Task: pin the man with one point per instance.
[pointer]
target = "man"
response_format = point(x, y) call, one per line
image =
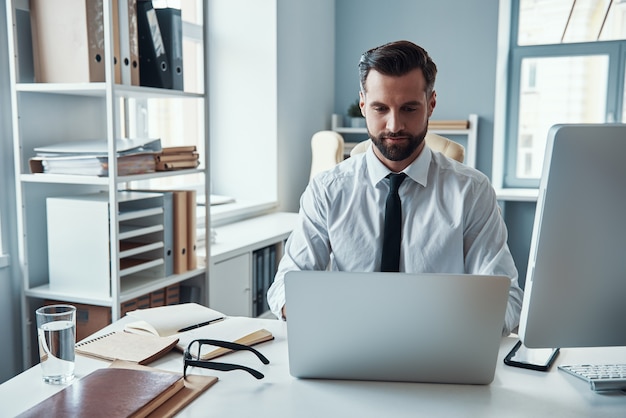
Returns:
point(451, 222)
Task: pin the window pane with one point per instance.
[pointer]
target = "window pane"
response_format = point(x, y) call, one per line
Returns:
point(544, 22)
point(556, 90)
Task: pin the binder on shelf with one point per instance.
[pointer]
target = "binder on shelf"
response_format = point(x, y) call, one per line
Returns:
point(154, 68)
point(133, 42)
point(168, 232)
point(117, 61)
point(180, 231)
point(68, 41)
point(171, 27)
point(192, 260)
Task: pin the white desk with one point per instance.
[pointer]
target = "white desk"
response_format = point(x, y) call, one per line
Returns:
point(514, 392)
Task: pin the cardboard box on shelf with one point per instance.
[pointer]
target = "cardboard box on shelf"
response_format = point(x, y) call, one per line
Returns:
point(157, 298)
point(89, 318)
point(172, 294)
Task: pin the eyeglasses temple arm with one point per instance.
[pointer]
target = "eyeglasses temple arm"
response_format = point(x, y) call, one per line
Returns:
point(236, 347)
point(223, 367)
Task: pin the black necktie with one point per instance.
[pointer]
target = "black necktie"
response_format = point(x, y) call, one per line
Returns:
point(390, 260)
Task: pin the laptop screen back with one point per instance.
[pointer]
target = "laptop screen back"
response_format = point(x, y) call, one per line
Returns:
point(395, 326)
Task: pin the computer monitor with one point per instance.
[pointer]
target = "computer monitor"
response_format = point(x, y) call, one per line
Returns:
point(575, 293)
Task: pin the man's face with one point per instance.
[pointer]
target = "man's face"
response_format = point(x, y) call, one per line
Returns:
point(397, 110)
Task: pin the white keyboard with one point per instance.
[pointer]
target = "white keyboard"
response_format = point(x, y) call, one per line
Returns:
point(600, 376)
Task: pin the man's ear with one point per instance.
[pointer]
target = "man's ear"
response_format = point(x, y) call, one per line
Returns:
point(432, 102)
point(362, 102)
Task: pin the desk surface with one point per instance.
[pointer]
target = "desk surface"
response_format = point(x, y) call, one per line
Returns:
point(514, 391)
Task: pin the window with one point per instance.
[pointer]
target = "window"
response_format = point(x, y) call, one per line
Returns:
point(566, 65)
point(175, 121)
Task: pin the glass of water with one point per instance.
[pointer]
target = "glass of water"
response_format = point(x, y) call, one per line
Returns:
point(56, 330)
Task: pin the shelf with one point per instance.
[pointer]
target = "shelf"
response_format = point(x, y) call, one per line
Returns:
point(131, 288)
point(517, 195)
point(136, 214)
point(99, 90)
point(132, 266)
point(127, 232)
point(102, 181)
point(346, 130)
point(82, 243)
point(129, 249)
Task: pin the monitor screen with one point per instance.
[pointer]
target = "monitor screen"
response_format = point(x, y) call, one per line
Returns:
point(575, 294)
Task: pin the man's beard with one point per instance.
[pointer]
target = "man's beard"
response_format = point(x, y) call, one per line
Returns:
point(398, 152)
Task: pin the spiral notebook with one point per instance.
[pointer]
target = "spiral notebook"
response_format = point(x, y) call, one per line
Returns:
point(137, 348)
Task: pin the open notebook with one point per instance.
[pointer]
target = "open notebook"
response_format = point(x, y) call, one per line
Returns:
point(190, 321)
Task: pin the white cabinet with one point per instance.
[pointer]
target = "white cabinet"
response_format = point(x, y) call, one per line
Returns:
point(233, 276)
point(470, 133)
point(230, 288)
point(49, 113)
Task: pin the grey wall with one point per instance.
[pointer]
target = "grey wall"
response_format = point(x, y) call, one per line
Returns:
point(306, 56)
point(461, 39)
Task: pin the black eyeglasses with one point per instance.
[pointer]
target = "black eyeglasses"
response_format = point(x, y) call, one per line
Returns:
point(191, 360)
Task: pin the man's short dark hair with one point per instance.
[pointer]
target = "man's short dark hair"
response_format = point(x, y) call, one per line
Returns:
point(397, 59)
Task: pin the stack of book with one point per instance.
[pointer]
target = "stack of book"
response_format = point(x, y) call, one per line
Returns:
point(91, 158)
point(177, 158)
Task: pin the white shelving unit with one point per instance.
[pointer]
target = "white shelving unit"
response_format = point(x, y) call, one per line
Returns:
point(471, 133)
point(48, 113)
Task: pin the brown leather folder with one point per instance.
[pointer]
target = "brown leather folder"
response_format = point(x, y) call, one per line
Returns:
point(195, 385)
point(111, 392)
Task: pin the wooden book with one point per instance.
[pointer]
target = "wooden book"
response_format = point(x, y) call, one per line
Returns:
point(176, 165)
point(168, 158)
point(234, 329)
point(178, 149)
point(111, 392)
point(141, 349)
point(254, 338)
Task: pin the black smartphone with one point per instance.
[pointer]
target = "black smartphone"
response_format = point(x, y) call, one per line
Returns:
point(531, 358)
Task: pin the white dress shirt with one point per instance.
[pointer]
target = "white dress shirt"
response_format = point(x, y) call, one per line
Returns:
point(451, 224)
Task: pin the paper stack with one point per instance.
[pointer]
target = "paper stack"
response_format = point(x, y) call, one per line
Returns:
point(90, 157)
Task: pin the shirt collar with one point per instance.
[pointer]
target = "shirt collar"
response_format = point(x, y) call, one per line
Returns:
point(417, 170)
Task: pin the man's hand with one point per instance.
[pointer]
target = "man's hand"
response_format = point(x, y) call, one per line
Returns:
point(284, 312)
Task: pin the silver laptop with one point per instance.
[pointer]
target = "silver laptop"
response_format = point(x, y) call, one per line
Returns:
point(438, 328)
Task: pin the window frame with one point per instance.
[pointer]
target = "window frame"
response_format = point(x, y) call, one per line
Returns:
point(510, 57)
